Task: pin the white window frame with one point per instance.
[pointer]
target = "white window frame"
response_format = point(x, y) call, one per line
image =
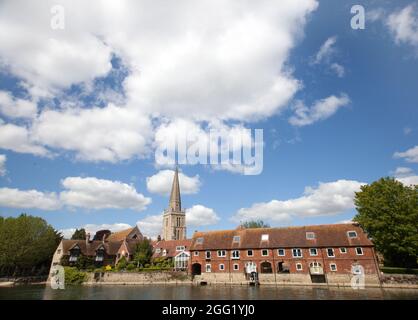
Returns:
point(252, 253)
point(221, 267)
point(361, 249)
point(264, 237)
point(208, 269)
point(341, 250)
point(158, 250)
point(310, 233)
point(222, 253)
point(301, 266)
point(164, 252)
point(196, 253)
point(233, 256)
point(262, 253)
point(235, 265)
point(208, 254)
point(236, 239)
point(316, 252)
point(333, 253)
point(180, 248)
point(348, 234)
point(297, 256)
point(281, 255)
point(331, 265)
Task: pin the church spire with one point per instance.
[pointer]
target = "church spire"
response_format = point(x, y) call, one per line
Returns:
point(175, 200)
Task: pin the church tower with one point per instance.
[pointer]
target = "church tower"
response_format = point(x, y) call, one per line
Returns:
point(174, 219)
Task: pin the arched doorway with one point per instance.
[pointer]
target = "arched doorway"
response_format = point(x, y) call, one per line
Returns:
point(265, 267)
point(196, 269)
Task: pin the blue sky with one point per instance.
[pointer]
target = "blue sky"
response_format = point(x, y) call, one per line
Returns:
point(79, 115)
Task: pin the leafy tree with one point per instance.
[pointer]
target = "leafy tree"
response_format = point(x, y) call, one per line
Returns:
point(143, 252)
point(388, 211)
point(27, 244)
point(253, 224)
point(79, 234)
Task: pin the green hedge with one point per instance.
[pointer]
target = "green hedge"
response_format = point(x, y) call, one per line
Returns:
point(393, 270)
point(74, 276)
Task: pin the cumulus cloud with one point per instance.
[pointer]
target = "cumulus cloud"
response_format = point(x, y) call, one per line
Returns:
point(331, 198)
point(320, 110)
point(16, 108)
point(108, 134)
point(406, 176)
point(410, 155)
point(3, 159)
point(18, 139)
point(223, 62)
point(15, 198)
point(151, 226)
point(161, 183)
point(199, 215)
point(338, 69)
point(403, 25)
point(94, 193)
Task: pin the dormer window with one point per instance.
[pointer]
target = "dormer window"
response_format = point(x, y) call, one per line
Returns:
point(100, 255)
point(199, 240)
point(264, 237)
point(236, 239)
point(158, 250)
point(310, 235)
point(74, 254)
point(180, 248)
point(352, 234)
point(164, 252)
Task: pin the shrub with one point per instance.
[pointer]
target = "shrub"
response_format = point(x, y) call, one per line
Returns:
point(122, 263)
point(74, 276)
point(108, 268)
point(130, 267)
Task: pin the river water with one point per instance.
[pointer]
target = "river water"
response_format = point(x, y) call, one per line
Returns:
point(187, 292)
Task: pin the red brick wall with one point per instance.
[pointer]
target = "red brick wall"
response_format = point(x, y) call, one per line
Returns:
point(343, 261)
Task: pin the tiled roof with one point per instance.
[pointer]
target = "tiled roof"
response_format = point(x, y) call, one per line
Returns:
point(120, 235)
point(90, 248)
point(331, 235)
point(170, 247)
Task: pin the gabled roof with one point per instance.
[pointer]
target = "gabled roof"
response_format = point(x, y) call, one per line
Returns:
point(90, 248)
point(331, 235)
point(124, 234)
point(170, 247)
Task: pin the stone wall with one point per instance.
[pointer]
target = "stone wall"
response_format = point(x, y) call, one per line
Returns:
point(161, 277)
point(399, 280)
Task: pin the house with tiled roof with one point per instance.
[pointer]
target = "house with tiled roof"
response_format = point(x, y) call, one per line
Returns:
point(175, 250)
point(332, 253)
point(107, 251)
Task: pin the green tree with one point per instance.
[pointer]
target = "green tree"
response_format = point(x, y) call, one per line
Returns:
point(143, 252)
point(388, 212)
point(27, 243)
point(79, 234)
point(253, 224)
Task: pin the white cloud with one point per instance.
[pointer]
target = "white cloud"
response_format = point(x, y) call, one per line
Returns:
point(326, 50)
point(224, 61)
point(410, 155)
point(320, 110)
point(406, 176)
point(199, 215)
point(329, 198)
point(3, 159)
point(403, 25)
point(93, 228)
point(18, 139)
point(16, 108)
point(93, 193)
point(98, 134)
point(15, 198)
point(161, 183)
point(151, 226)
point(338, 69)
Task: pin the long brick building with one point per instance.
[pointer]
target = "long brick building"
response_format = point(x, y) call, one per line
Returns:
point(308, 254)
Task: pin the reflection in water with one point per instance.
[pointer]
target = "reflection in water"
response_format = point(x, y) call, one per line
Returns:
point(146, 292)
